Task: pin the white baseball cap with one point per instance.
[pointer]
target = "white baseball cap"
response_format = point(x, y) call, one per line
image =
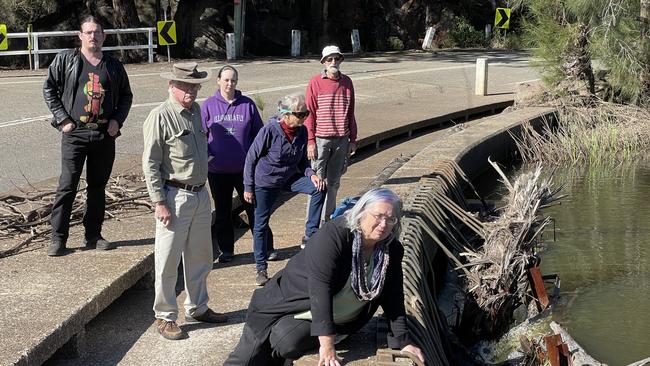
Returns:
point(330, 50)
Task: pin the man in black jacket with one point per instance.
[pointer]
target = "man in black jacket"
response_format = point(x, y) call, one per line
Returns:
point(88, 93)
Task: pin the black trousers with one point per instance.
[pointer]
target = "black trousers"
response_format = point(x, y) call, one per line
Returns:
point(288, 340)
point(97, 150)
point(221, 187)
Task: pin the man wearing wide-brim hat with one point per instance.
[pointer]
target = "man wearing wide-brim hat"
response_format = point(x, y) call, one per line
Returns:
point(175, 166)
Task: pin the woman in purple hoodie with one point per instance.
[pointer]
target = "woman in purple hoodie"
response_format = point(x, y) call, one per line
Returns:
point(232, 122)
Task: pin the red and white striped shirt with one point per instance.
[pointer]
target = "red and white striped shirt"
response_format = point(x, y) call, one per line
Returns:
point(331, 103)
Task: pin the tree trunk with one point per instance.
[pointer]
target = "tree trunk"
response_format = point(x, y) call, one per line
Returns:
point(102, 10)
point(578, 60)
point(645, 47)
point(125, 15)
point(324, 36)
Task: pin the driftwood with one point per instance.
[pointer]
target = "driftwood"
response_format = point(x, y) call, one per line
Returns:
point(497, 278)
point(26, 216)
point(645, 361)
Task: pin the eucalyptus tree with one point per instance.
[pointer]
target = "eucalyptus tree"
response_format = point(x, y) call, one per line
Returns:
point(575, 36)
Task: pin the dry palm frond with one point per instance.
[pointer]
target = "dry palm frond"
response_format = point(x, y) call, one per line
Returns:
point(500, 266)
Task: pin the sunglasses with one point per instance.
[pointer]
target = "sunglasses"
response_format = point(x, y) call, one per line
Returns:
point(301, 115)
point(335, 59)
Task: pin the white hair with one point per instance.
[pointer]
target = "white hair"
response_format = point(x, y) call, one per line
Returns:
point(354, 215)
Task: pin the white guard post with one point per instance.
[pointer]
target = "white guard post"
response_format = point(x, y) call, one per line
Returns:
point(428, 38)
point(356, 42)
point(481, 76)
point(231, 51)
point(295, 43)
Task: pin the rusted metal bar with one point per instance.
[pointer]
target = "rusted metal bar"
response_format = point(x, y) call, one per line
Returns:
point(557, 351)
point(537, 285)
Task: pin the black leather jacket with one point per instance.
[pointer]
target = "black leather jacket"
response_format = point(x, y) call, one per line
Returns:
point(60, 87)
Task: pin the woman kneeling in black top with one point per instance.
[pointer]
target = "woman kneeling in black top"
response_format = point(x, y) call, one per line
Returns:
point(351, 266)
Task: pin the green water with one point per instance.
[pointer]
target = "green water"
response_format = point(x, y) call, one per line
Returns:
point(602, 254)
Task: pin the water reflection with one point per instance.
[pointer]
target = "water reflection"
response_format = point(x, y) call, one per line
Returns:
point(601, 255)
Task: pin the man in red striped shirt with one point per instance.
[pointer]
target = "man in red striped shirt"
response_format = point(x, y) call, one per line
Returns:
point(331, 126)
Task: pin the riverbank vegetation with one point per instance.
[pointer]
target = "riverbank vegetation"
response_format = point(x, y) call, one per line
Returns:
point(600, 48)
point(594, 133)
point(594, 57)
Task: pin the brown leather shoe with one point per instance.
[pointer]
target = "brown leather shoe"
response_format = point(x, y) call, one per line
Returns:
point(169, 330)
point(208, 316)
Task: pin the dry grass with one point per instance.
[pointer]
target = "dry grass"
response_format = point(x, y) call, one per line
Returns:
point(588, 132)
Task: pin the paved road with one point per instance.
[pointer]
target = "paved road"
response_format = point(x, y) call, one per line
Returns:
point(31, 148)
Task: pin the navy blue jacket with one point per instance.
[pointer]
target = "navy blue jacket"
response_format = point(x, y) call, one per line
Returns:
point(272, 160)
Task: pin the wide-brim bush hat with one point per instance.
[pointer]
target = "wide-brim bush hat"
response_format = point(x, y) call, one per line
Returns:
point(329, 51)
point(187, 72)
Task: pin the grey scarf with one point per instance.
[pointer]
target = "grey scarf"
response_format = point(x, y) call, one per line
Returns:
point(380, 257)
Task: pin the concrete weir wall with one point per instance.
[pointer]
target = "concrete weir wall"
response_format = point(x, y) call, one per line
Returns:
point(437, 176)
point(32, 335)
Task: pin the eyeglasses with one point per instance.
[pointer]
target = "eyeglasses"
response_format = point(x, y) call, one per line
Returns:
point(301, 115)
point(333, 59)
point(388, 220)
point(90, 33)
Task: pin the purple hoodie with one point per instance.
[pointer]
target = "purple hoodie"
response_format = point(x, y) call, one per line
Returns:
point(231, 131)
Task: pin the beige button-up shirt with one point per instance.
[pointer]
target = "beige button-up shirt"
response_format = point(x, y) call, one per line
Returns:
point(175, 147)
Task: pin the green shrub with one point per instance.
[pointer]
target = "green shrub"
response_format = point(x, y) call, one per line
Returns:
point(395, 44)
point(509, 41)
point(463, 34)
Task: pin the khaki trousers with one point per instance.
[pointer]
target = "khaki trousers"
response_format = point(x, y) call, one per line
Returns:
point(187, 237)
point(330, 164)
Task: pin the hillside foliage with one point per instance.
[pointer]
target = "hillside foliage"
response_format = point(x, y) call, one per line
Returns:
point(595, 44)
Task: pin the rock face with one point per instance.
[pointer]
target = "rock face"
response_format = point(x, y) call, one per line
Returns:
point(201, 25)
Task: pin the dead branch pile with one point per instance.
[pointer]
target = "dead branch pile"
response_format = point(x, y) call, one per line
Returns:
point(26, 216)
point(497, 277)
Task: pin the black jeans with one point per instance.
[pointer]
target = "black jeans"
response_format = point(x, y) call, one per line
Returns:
point(288, 339)
point(221, 187)
point(97, 149)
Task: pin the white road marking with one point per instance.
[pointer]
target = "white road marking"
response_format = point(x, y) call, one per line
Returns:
point(523, 82)
point(41, 79)
point(370, 76)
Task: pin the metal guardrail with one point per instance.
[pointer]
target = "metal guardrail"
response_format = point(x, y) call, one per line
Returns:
point(36, 51)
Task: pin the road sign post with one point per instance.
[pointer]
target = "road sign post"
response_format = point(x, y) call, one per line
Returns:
point(30, 29)
point(239, 29)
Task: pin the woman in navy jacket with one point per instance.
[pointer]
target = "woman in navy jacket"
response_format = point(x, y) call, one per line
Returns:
point(351, 266)
point(277, 161)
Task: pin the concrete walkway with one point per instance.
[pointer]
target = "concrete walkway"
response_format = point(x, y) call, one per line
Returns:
point(45, 301)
